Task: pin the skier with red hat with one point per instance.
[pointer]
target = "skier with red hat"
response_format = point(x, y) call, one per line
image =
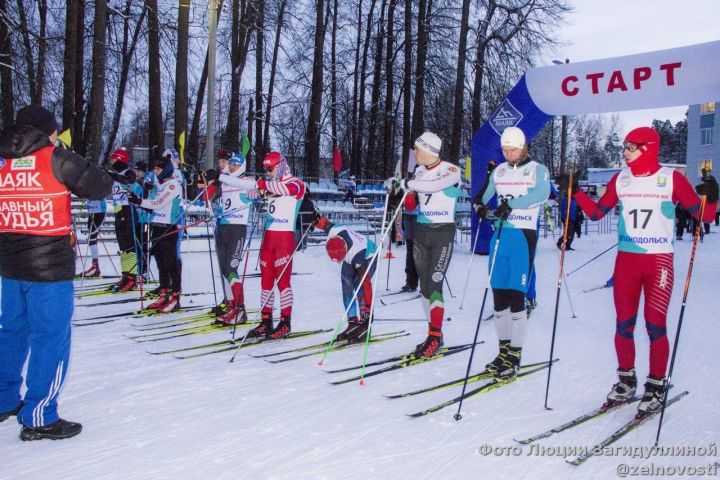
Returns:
point(284, 193)
point(355, 252)
point(124, 220)
point(647, 194)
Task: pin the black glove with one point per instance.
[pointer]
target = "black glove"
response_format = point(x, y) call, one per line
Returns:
point(212, 174)
point(481, 210)
point(503, 210)
point(147, 188)
point(127, 178)
point(491, 166)
point(564, 179)
point(134, 199)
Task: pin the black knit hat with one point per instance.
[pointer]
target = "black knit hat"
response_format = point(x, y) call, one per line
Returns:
point(39, 117)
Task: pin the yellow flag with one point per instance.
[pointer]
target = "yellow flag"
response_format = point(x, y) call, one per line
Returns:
point(181, 141)
point(468, 163)
point(66, 138)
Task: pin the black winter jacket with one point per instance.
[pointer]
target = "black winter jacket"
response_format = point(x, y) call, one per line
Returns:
point(38, 258)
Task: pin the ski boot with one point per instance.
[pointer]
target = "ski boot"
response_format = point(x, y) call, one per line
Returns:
point(498, 361)
point(356, 330)
point(235, 315)
point(624, 390)
point(11, 413)
point(511, 363)
point(283, 328)
point(93, 271)
point(126, 283)
point(172, 303)
point(264, 329)
point(652, 399)
point(55, 431)
point(163, 295)
point(408, 288)
point(219, 309)
point(432, 344)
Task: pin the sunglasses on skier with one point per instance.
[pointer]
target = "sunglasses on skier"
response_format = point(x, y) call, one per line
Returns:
point(632, 147)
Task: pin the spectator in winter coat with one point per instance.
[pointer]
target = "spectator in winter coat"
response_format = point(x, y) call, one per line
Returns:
point(37, 266)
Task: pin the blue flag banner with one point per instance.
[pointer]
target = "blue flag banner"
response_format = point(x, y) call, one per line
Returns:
point(517, 110)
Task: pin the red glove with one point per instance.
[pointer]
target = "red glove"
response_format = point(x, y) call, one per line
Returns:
point(262, 184)
point(411, 202)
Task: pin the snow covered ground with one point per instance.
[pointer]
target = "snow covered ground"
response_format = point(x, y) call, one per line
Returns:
point(157, 417)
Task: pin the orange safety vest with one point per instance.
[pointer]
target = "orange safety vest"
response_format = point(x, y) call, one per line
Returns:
point(32, 200)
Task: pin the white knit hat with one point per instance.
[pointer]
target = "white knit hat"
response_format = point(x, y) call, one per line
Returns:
point(512, 137)
point(429, 142)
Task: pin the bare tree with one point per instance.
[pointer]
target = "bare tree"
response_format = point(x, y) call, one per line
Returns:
point(407, 85)
point(259, 65)
point(459, 104)
point(312, 138)
point(127, 52)
point(388, 117)
point(69, 63)
point(155, 126)
point(181, 70)
point(96, 104)
point(6, 68)
point(273, 71)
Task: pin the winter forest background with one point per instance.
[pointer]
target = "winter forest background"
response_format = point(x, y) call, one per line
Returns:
point(304, 77)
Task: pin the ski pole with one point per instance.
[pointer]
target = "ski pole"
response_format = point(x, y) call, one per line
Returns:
point(559, 286)
point(138, 258)
point(447, 283)
point(212, 269)
point(245, 253)
point(592, 259)
point(384, 230)
point(282, 272)
point(567, 291)
point(389, 257)
point(457, 415)
point(472, 259)
point(696, 236)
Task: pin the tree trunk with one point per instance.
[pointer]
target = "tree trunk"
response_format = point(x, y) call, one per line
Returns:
point(69, 63)
point(79, 117)
point(419, 110)
point(458, 108)
point(375, 95)
point(388, 117)
point(273, 70)
point(29, 61)
point(354, 127)
point(155, 117)
point(42, 52)
point(128, 52)
point(181, 71)
point(357, 144)
point(480, 65)
point(407, 87)
point(6, 88)
point(312, 139)
point(259, 63)
point(242, 29)
point(96, 104)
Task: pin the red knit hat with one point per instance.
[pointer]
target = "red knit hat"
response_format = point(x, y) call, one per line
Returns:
point(121, 155)
point(223, 155)
point(336, 248)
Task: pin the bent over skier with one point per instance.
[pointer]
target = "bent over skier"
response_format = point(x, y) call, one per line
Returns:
point(355, 252)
